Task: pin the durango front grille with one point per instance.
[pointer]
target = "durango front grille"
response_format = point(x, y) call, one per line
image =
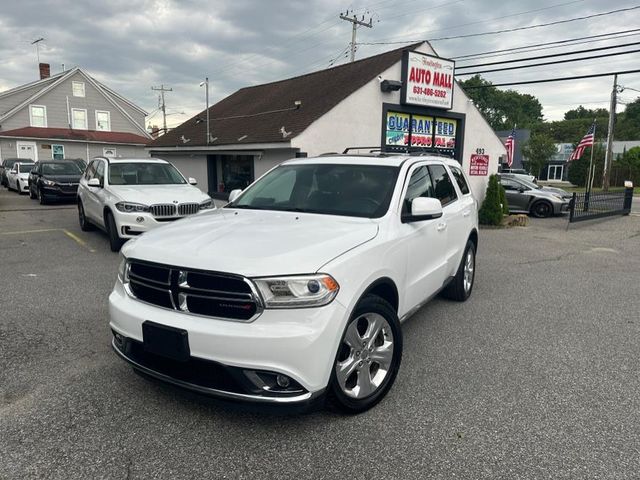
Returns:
point(209, 294)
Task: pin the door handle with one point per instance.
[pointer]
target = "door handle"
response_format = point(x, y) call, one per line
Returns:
point(466, 213)
point(441, 226)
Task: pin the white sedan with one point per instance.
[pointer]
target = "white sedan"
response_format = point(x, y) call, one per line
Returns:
point(18, 177)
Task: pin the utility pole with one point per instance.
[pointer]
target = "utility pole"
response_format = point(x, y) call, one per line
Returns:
point(608, 157)
point(162, 89)
point(206, 93)
point(355, 22)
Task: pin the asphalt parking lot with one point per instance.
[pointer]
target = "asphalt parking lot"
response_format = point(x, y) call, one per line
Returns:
point(536, 376)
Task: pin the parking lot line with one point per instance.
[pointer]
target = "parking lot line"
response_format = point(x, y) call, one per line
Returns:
point(78, 240)
point(69, 234)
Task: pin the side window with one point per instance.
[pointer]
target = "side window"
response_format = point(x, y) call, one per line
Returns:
point(100, 171)
point(91, 170)
point(509, 184)
point(442, 185)
point(461, 181)
point(420, 185)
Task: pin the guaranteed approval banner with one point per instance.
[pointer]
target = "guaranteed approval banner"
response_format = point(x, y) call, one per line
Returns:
point(427, 81)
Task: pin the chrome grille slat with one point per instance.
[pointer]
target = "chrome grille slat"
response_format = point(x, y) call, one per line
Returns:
point(236, 300)
point(163, 210)
point(188, 208)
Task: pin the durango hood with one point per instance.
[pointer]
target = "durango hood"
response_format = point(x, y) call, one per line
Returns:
point(154, 194)
point(252, 243)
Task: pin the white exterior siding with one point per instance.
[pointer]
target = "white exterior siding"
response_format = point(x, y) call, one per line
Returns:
point(357, 121)
point(84, 150)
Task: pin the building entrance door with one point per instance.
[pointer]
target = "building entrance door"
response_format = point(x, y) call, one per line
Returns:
point(555, 173)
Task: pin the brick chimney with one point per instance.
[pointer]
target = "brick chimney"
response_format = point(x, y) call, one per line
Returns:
point(45, 70)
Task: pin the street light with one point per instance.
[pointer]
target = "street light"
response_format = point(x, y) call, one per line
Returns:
point(206, 90)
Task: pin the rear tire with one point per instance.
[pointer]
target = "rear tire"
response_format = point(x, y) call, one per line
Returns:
point(115, 242)
point(85, 226)
point(368, 357)
point(461, 286)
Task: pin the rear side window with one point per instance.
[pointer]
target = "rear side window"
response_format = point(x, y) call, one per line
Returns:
point(442, 185)
point(462, 182)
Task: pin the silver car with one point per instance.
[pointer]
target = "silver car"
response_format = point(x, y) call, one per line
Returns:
point(527, 197)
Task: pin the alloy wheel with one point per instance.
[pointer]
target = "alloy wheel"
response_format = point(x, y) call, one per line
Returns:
point(365, 357)
point(469, 270)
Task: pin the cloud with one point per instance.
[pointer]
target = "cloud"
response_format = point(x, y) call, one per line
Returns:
point(132, 45)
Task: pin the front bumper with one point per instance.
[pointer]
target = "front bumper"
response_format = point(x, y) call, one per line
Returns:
point(69, 193)
point(298, 343)
point(560, 207)
point(130, 225)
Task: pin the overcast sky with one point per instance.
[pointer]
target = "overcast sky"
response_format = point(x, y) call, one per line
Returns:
point(131, 45)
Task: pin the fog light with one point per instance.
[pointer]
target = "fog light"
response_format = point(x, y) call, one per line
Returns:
point(119, 339)
point(282, 381)
point(139, 219)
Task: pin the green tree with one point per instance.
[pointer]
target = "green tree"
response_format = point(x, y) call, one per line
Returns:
point(588, 113)
point(491, 211)
point(503, 108)
point(628, 122)
point(537, 151)
point(629, 165)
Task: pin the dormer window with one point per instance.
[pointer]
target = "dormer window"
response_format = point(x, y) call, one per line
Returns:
point(38, 115)
point(78, 89)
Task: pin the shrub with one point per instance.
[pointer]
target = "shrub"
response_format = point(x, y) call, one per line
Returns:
point(491, 211)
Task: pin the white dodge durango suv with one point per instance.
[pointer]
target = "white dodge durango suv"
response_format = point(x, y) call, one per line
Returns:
point(126, 197)
point(295, 290)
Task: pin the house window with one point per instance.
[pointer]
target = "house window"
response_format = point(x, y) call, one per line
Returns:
point(103, 121)
point(57, 152)
point(79, 118)
point(78, 89)
point(38, 115)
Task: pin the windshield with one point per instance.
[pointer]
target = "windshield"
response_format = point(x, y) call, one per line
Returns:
point(330, 189)
point(144, 174)
point(60, 168)
point(25, 167)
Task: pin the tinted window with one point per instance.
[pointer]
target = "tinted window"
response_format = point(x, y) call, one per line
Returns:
point(100, 171)
point(144, 173)
point(508, 184)
point(330, 189)
point(91, 170)
point(462, 182)
point(442, 185)
point(420, 185)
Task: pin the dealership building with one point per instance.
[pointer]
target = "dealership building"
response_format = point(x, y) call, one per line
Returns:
point(402, 100)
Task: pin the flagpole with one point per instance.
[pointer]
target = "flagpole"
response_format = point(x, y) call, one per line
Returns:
point(591, 175)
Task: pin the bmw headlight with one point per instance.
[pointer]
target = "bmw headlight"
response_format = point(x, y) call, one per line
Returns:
point(129, 207)
point(123, 271)
point(207, 205)
point(297, 291)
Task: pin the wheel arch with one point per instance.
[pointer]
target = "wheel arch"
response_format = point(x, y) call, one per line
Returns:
point(384, 288)
point(473, 237)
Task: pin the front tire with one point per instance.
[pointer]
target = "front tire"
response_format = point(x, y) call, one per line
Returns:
point(541, 209)
point(32, 195)
point(368, 357)
point(462, 284)
point(115, 242)
point(41, 197)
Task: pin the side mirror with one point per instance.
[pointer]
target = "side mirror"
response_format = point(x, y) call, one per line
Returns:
point(423, 208)
point(522, 189)
point(94, 182)
point(192, 181)
point(13, 170)
point(234, 194)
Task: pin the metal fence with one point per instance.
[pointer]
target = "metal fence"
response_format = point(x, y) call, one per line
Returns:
point(589, 205)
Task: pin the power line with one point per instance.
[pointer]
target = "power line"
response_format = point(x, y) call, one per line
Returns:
point(545, 44)
point(548, 80)
point(540, 57)
point(555, 62)
point(508, 30)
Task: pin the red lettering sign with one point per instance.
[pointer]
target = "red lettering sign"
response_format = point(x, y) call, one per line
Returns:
point(479, 165)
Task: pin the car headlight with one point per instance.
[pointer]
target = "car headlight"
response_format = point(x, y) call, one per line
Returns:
point(49, 183)
point(297, 291)
point(558, 196)
point(123, 270)
point(130, 207)
point(207, 205)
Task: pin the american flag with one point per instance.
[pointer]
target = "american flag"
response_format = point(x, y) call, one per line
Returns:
point(510, 144)
point(587, 141)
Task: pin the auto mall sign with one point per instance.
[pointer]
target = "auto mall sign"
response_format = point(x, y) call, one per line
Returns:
point(427, 81)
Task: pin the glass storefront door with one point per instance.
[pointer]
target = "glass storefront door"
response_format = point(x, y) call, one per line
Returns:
point(555, 173)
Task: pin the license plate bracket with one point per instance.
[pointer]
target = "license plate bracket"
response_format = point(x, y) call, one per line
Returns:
point(168, 342)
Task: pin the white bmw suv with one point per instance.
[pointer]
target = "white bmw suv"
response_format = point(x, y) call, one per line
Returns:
point(296, 289)
point(126, 197)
